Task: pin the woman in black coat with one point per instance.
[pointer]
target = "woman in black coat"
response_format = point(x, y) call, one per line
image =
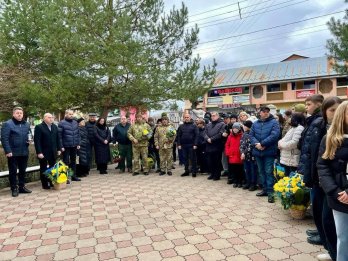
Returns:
point(102, 150)
point(333, 175)
point(82, 168)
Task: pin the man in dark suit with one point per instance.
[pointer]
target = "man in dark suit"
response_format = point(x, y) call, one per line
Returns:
point(47, 146)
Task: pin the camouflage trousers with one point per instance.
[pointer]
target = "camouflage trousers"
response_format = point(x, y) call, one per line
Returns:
point(166, 159)
point(137, 152)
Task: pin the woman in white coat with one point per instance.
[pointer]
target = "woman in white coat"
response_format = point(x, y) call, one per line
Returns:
point(289, 153)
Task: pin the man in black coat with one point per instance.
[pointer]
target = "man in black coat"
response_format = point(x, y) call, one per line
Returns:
point(15, 139)
point(69, 136)
point(187, 142)
point(47, 146)
point(90, 126)
point(214, 145)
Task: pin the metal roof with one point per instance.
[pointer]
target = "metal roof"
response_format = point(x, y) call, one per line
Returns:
point(276, 72)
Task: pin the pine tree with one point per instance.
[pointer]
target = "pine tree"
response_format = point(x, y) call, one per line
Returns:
point(338, 47)
point(101, 54)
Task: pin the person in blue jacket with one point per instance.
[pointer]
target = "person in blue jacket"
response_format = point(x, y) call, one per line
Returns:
point(264, 137)
point(15, 139)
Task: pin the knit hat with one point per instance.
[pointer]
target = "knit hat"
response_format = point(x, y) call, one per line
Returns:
point(237, 125)
point(233, 116)
point(164, 114)
point(300, 108)
point(80, 119)
point(248, 124)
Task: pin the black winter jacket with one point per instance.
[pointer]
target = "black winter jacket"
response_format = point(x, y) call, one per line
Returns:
point(69, 133)
point(188, 134)
point(84, 151)
point(246, 147)
point(214, 132)
point(90, 126)
point(333, 175)
point(119, 134)
point(14, 137)
point(309, 145)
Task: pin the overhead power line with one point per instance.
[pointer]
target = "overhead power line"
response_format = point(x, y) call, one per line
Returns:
point(267, 37)
point(235, 10)
point(207, 24)
point(211, 10)
point(271, 28)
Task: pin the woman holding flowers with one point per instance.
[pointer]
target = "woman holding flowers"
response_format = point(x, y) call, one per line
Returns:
point(332, 168)
point(102, 150)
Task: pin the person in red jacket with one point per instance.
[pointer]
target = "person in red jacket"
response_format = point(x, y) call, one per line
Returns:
point(235, 164)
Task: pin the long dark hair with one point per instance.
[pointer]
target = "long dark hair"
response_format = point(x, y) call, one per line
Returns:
point(99, 125)
point(327, 103)
point(297, 118)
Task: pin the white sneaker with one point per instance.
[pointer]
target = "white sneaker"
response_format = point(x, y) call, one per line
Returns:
point(324, 257)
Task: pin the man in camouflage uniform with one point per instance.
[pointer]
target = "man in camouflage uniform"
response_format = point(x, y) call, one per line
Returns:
point(164, 139)
point(139, 134)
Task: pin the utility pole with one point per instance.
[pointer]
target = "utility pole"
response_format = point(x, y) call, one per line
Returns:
point(240, 11)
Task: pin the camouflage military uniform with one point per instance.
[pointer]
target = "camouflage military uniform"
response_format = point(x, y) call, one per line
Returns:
point(165, 144)
point(136, 132)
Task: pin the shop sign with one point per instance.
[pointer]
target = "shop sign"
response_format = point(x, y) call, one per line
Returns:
point(304, 94)
point(241, 98)
point(231, 90)
point(227, 106)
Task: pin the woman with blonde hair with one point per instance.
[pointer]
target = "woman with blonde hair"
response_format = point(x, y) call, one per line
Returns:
point(332, 168)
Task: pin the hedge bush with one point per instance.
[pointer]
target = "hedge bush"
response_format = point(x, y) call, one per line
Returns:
point(32, 161)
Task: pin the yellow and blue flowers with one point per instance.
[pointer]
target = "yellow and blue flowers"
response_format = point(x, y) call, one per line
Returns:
point(292, 192)
point(59, 173)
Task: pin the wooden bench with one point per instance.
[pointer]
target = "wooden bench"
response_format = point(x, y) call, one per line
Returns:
point(28, 170)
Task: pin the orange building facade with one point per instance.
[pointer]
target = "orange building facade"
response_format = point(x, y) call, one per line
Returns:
point(282, 84)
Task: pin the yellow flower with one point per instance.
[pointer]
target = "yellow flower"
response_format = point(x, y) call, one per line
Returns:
point(145, 132)
point(54, 171)
point(62, 178)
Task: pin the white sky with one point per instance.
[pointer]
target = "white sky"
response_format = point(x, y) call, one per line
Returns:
point(306, 38)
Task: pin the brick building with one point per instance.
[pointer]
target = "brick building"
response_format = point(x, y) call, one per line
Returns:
point(281, 84)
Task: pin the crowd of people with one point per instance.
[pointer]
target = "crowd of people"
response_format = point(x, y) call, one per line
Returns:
point(310, 139)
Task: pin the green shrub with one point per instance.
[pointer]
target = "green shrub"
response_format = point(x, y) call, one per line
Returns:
point(32, 161)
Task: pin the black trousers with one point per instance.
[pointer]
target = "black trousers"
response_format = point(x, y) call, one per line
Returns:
point(14, 163)
point(189, 156)
point(201, 160)
point(214, 163)
point(102, 167)
point(69, 158)
point(236, 173)
point(45, 182)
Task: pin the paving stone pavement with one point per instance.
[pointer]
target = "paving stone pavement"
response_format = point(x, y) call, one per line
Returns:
point(121, 217)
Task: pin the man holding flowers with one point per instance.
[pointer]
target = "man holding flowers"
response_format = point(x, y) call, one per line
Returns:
point(139, 134)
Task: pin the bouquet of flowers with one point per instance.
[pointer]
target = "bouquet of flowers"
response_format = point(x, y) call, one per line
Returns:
point(147, 133)
point(278, 171)
point(59, 173)
point(292, 192)
point(115, 154)
point(171, 132)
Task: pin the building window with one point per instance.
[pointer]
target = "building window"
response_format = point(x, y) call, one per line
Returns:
point(214, 100)
point(257, 92)
point(309, 85)
point(325, 86)
point(342, 81)
point(277, 87)
point(273, 87)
